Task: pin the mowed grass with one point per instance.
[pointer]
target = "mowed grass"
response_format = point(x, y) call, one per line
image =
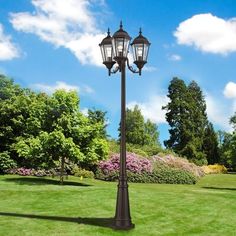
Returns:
point(38, 206)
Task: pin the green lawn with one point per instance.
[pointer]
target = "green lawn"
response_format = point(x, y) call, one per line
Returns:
point(37, 206)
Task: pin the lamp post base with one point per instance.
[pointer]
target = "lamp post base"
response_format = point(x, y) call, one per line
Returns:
point(123, 224)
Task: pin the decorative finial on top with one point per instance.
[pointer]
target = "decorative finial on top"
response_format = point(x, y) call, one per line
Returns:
point(140, 31)
point(121, 25)
point(108, 32)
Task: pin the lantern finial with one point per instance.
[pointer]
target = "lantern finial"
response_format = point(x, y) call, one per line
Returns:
point(121, 25)
point(140, 31)
point(108, 32)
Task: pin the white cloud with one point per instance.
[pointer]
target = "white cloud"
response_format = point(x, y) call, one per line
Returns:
point(52, 88)
point(152, 109)
point(175, 57)
point(149, 68)
point(65, 23)
point(218, 112)
point(208, 33)
point(8, 50)
point(88, 89)
point(84, 111)
point(230, 90)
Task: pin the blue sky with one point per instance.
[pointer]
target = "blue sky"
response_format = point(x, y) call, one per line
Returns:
point(51, 44)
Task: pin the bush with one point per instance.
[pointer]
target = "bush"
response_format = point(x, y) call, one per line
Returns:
point(24, 171)
point(29, 172)
point(162, 175)
point(134, 163)
point(141, 170)
point(179, 163)
point(6, 162)
point(79, 172)
point(214, 169)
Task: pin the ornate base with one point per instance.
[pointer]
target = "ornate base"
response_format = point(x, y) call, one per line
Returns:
point(123, 225)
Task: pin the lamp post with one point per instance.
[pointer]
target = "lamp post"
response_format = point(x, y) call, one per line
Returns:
point(115, 50)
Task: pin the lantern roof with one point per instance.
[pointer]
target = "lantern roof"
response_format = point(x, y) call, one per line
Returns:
point(106, 40)
point(140, 39)
point(121, 33)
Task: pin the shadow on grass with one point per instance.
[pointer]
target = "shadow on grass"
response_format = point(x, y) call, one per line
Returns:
point(218, 188)
point(101, 222)
point(43, 181)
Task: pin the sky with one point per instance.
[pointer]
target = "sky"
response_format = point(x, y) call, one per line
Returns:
point(53, 44)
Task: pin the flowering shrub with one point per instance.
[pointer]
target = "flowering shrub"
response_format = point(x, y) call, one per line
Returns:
point(134, 164)
point(214, 169)
point(29, 172)
point(142, 170)
point(21, 171)
point(179, 163)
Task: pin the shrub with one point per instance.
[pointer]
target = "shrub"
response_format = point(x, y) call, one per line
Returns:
point(214, 169)
point(162, 175)
point(134, 163)
point(6, 162)
point(24, 171)
point(179, 163)
point(29, 172)
point(141, 170)
point(79, 172)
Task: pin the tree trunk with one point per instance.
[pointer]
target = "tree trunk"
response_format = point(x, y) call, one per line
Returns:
point(62, 170)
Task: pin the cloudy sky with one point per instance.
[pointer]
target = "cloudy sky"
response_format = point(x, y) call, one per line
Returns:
point(53, 44)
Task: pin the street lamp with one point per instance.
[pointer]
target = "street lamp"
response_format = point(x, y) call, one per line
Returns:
point(114, 50)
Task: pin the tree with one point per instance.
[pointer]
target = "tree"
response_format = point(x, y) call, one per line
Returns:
point(186, 115)
point(39, 131)
point(228, 146)
point(211, 145)
point(97, 116)
point(139, 132)
point(177, 111)
point(151, 135)
point(134, 126)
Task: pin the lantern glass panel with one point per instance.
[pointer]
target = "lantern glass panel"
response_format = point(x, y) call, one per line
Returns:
point(108, 52)
point(120, 47)
point(138, 51)
point(102, 52)
point(145, 51)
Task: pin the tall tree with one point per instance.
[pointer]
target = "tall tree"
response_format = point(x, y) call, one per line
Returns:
point(98, 116)
point(186, 115)
point(151, 134)
point(177, 111)
point(139, 132)
point(211, 145)
point(228, 147)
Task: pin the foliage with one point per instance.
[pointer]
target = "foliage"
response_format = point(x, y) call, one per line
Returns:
point(21, 171)
point(178, 163)
point(214, 169)
point(98, 117)
point(79, 172)
point(162, 174)
point(142, 170)
point(139, 132)
point(228, 151)
point(186, 115)
point(6, 162)
point(41, 131)
point(134, 164)
point(227, 146)
point(210, 145)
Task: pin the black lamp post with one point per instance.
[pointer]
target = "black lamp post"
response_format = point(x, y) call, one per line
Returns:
point(114, 50)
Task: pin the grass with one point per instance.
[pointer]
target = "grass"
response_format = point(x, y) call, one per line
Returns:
point(38, 206)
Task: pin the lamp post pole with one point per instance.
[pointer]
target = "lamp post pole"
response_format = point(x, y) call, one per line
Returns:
point(115, 50)
point(122, 216)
